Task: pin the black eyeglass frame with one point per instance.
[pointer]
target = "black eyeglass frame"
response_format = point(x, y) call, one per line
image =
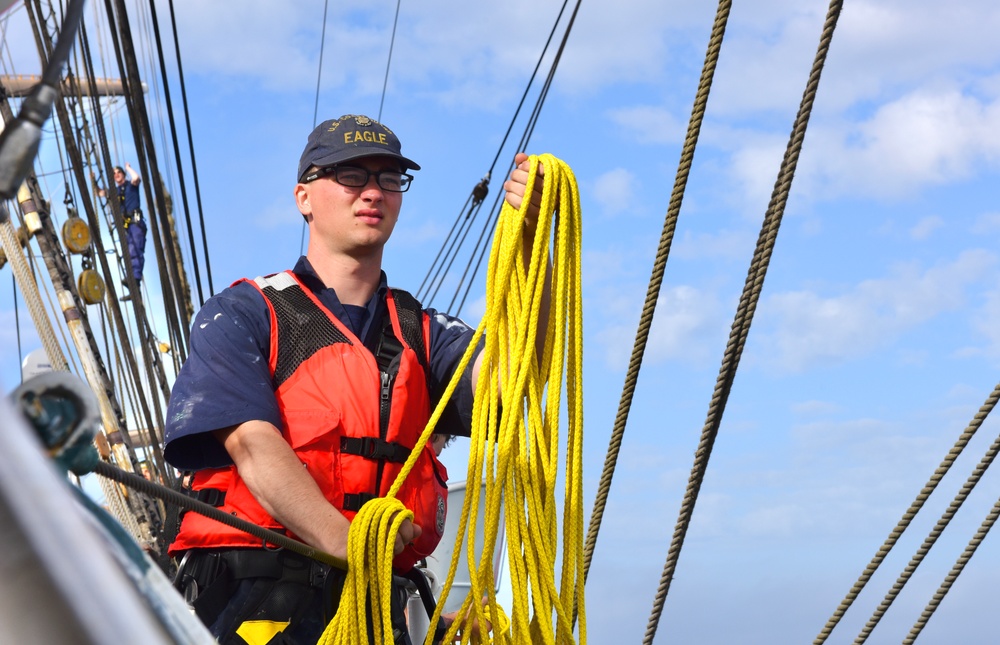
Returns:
point(405, 178)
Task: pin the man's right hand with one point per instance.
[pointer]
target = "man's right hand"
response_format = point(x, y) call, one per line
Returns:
point(408, 532)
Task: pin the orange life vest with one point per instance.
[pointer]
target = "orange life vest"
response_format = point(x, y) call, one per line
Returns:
point(351, 423)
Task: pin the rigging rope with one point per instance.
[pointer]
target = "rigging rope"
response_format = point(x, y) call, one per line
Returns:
point(918, 503)
point(516, 455)
point(17, 321)
point(177, 157)
point(529, 130)
point(388, 62)
point(194, 165)
point(319, 77)
point(32, 298)
point(656, 279)
point(956, 570)
point(481, 189)
point(744, 315)
point(929, 541)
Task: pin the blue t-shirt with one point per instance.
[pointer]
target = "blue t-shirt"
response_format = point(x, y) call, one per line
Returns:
point(128, 197)
point(226, 379)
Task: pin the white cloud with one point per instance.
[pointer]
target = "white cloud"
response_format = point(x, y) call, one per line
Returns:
point(685, 327)
point(615, 191)
point(987, 224)
point(924, 138)
point(649, 124)
point(799, 329)
point(724, 245)
point(815, 408)
point(987, 322)
point(923, 229)
point(280, 213)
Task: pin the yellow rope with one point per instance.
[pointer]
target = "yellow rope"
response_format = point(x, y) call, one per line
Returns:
point(516, 454)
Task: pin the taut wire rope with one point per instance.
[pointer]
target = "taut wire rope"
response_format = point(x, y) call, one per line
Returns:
point(656, 279)
point(388, 62)
point(744, 315)
point(956, 570)
point(481, 189)
point(516, 456)
point(525, 138)
point(929, 541)
point(194, 164)
point(17, 322)
point(911, 512)
point(319, 78)
point(177, 153)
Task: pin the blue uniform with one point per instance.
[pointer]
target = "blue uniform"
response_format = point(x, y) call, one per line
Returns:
point(135, 226)
point(226, 379)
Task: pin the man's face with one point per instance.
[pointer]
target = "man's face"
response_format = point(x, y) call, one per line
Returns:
point(119, 176)
point(347, 219)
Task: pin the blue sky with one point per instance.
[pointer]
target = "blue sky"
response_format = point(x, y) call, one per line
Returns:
point(875, 340)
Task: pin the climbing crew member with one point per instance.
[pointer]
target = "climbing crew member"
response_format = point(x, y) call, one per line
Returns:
point(135, 226)
point(306, 390)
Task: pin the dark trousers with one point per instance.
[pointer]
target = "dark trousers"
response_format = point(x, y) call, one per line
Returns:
point(291, 604)
point(136, 234)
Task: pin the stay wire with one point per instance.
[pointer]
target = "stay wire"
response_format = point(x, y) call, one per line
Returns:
point(17, 323)
point(121, 327)
point(525, 138)
point(388, 63)
point(452, 254)
point(744, 314)
point(482, 186)
point(319, 71)
point(177, 150)
point(918, 503)
point(956, 570)
point(194, 164)
point(420, 290)
point(177, 319)
point(656, 278)
point(932, 536)
point(319, 78)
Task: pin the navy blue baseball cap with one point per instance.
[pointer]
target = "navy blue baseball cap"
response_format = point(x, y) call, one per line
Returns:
point(350, 137)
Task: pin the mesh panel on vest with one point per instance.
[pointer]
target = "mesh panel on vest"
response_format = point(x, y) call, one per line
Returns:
point(411, 320)
point(303, 329)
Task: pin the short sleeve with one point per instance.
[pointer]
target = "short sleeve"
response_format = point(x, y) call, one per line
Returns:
point(450, 336)
point(226, 379)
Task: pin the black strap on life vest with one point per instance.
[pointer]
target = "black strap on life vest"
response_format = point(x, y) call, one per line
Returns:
point(388, 350)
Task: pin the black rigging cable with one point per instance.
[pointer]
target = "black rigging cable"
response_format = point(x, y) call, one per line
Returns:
point(388, 63)
point(19, 140)
point(319, 77)
point(523, 145)
point(451, 247)
point(319, 72)
point(17, 323)
point(194, 165)
point(177, 149)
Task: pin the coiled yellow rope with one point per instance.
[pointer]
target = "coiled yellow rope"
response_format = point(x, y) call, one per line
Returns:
point(516, 454)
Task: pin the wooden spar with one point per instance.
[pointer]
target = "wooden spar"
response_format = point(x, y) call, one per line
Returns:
point(20, 85)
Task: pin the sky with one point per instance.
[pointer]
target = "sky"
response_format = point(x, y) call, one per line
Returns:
point(875, 341)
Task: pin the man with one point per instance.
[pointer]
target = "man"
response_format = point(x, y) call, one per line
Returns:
point(127, 189)
point(305, 391)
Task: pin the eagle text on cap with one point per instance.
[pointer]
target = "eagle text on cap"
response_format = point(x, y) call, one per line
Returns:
point(365, 135)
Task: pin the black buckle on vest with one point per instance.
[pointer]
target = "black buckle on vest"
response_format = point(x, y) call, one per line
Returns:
point(354, 501)
point(375, 448)
point(211, 496)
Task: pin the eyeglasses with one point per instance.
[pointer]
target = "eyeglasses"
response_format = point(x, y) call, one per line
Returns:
point(392, 181)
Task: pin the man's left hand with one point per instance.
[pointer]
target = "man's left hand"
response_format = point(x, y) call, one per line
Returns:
point(517, 186)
